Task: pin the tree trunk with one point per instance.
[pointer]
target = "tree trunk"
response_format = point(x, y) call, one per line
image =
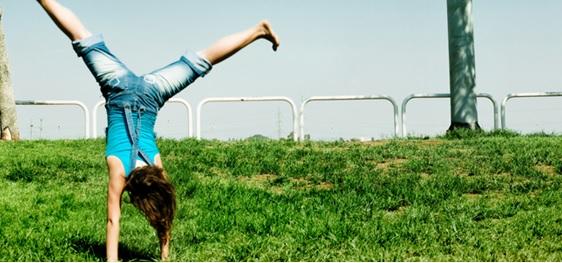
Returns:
point(462, 70)
point(8, 128)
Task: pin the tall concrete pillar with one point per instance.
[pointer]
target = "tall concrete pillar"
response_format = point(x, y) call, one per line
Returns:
point(462, 71)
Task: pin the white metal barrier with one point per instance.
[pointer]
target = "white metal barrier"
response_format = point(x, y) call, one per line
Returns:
point(525, 95)
point(249, 99)
point(172, 100)
point(345, 98)
point(298, 130)
point(95, 118)
point(444, 95)
point(59, 103)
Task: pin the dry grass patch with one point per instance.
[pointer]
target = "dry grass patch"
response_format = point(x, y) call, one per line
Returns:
point(376, 143)
point(429, 143)
point(396, 212)
point(472, 196)
point(261, 180)
point(214, 171)
point(462, 150)
point(267, 182)
point(392, 163)
point(305, 184)
point(425, 176)
point(546, 169)
point(493, 197)
point(325, 186)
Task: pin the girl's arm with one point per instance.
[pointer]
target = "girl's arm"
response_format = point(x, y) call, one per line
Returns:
point(164, 244)
point(114, 194)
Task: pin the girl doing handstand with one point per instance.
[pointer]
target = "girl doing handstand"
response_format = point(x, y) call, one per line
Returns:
point(132, 104)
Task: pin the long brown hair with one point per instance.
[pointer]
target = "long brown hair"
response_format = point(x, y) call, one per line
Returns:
point(152, 193)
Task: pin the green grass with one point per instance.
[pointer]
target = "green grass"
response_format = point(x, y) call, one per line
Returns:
point(460, 197)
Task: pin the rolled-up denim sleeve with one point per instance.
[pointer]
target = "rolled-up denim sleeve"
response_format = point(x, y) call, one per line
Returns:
point(199, 64)
point(175, 77)
point(104, 66)
point(83, 46)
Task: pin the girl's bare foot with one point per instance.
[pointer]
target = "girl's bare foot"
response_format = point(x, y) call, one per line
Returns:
point(267, 33)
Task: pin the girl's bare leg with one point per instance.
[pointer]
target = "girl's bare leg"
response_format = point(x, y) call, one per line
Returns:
point(65, 19)
point(229, 45)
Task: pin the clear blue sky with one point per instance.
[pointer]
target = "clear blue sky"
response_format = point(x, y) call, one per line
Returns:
point(359, 47)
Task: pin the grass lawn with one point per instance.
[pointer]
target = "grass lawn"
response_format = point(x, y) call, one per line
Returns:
point(483, 197)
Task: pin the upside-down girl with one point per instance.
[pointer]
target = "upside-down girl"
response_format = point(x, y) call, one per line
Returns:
point(132, 104)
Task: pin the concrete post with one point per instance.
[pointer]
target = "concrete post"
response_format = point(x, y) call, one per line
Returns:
point(462, 71)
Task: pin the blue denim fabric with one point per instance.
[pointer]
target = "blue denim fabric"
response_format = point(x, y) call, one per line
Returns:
point(133, 102)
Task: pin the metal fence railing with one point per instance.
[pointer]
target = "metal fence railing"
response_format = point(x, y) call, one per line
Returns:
point(249, 99)
point(350, 98)
point(400, 127)
point(443, 95)
point(524, 95)
point(62, 103)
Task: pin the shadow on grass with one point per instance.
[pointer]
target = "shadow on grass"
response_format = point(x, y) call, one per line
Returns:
point(98, 250)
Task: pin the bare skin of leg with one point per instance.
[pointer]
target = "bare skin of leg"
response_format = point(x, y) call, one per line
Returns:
point(229, 45)
point(65, 19)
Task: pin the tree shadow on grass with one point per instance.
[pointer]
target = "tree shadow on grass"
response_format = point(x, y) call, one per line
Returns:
point(98, 250)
